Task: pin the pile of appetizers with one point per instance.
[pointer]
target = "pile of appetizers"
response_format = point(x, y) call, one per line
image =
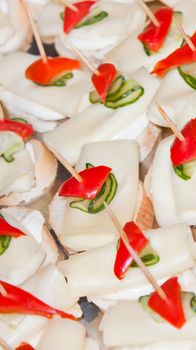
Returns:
point(112, 266)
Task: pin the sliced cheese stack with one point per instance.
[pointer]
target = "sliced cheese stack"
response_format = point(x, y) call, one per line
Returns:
point(173, 198)
point(28, 175)
point(15, 32)
point(130, 54)
point(96, 277)
point(127, 324)
point(99, 123)
point(83, 230)
point(49, 285)
point(26, 254)
point(42, 106)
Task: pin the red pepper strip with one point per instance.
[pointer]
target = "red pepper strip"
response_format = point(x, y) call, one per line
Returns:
point(123, 258)
point(72, 18)
point(24, 346)
point(103, 81)
point(152, 36)
point(93, 180)
point(24, 130)
point(8, 230)
point(185, 151)
point(170, 309)
point(18, 301)
point(46, 73)
point(183, 55)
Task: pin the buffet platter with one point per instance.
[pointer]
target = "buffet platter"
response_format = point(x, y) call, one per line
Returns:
point(97, 175)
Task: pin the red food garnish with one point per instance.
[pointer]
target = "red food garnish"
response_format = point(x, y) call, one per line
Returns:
point(24, 130)
point(123, 258)
point(183, 55)
point(72, 18)
point(93, 180)
point(24, 346)
point(8, 230)
point(18, 301)
point(170, 309)
point(154, 36)
point(103, 81)
point(185, 151)
point(46, 73)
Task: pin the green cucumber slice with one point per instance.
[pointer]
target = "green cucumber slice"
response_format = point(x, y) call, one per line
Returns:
point(9, 154)
point(148, 256)
point(115, 88)
point(127, 88)
point(95, 16)
point(173, 34)
point(92, 19)
point(61, 80)
point(188, 73)
point(20, 120)
point(94, 97)
point(106, 194)
point(4, 243)
point(188, 301)
point(130, 97)
point(186, 170)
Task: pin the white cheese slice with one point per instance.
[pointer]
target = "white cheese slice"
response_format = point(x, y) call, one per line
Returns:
point(173, 101)
point(9, 172)
point(96, 277)
point(98, 123)
point(161, 185)
point(49, 22)
point(83, 230)
point(173, 198)
point(49, 285)
point(91, 344)
point(20, 260)
point(124, 323)
point(63, 334)
point(102, 36)
point(12, 77)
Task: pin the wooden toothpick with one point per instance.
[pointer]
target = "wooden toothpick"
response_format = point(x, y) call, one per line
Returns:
point(35, 33)
point(2, 116)
point(184, 35)
point(66, 164)
point(71, 6)
point(135, 256)
point(149, 13)
point(170, 123)
point(2, 290)
point(82, 56)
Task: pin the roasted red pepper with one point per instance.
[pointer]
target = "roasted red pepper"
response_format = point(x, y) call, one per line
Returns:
point(183, 55)
point(93, 180)
point(123, 258)
point(103, 81)
point(154, 36)
point(170, 309)
point(8, 230)
point(46, 73)
point(24, 346)
point(24, 130)
point(18, 301)
point(72, 18)
point(185, 151)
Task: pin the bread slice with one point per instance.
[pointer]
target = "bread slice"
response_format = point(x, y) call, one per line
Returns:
point(45, 174)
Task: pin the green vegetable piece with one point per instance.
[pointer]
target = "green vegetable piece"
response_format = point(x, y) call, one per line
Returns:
point(92, 19)
point(4, 243)
point(186, 170)
point(188, 73)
